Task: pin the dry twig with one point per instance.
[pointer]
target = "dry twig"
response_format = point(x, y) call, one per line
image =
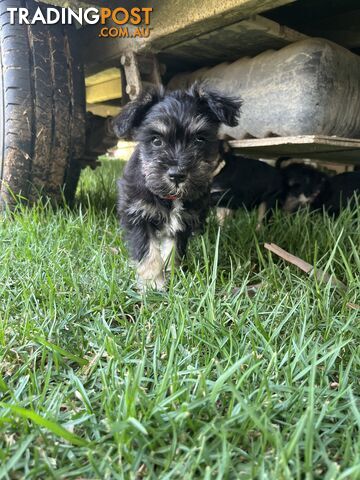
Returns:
point(306, 267)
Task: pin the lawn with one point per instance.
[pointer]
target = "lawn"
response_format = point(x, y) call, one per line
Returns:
point(207, 380)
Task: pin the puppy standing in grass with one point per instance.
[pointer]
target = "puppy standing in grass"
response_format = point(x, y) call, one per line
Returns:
point(164, 193)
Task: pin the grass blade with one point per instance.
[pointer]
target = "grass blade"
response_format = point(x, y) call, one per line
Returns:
point(61, 351)
point(225, 376)
point(51, 426)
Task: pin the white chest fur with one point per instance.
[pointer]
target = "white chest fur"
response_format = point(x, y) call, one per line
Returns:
point(175, 224)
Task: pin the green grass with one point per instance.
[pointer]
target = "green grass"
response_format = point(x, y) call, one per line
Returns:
point(203, 381)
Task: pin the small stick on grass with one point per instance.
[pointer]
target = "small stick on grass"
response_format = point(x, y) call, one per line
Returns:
point(306, 267)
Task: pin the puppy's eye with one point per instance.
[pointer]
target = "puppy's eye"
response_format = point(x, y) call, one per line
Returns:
point(157, 141)
point(199, 139)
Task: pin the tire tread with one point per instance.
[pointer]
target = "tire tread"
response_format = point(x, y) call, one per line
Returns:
point(43, 107)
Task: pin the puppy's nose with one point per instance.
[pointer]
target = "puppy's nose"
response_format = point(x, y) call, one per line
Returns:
point(176, 175)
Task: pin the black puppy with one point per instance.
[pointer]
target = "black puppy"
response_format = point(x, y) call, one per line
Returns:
point(338, 192)
point(244, 182)
point(164, 193)
point(302, 185)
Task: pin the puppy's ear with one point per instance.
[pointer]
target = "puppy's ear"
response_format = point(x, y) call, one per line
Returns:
point(132, 115)
point(225, 108)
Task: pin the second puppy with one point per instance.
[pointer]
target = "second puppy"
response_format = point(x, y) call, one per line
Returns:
point(307, 186)
point(302, 186)
point(245, 183)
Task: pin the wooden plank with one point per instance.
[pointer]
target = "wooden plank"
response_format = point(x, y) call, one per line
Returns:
point(173, 22)
point(317, 147)
point(103, 76)
point(102, 92)
point(245, 38)
point(103, 109)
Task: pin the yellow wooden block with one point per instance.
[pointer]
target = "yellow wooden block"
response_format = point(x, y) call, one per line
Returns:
point(103, 86)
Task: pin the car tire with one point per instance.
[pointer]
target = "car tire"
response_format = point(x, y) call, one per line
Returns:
point(42, 109)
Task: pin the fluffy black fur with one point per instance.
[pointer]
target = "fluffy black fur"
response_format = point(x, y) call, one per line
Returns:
point(164, 193)
point(244, 182)
point(338, 192)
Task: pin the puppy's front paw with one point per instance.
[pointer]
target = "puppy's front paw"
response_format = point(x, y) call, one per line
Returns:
point(150, 271)
point(222, 214)
point(145, 284)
